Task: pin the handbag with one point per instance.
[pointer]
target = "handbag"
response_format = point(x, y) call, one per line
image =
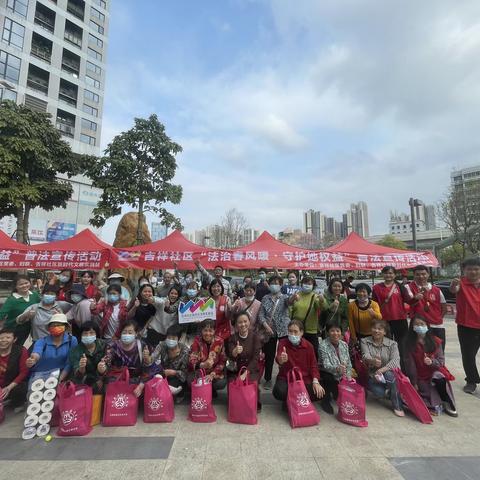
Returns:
point(97, 403)
point(411, 397)
point(351, 403)
point(242, 399)
point(75, 406)
point(121, 405)
point(201, 408)
point(158, 401)
point(360, 369)
point(301, 410)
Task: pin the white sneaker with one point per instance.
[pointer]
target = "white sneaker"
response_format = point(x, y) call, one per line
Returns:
point(175, 390)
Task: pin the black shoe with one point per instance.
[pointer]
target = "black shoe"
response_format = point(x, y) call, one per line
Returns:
point(214, 394)
point(326, 406)
point(470, 388)
point(259, 407)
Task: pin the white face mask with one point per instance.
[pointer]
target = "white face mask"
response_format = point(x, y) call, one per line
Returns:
point(249, 299)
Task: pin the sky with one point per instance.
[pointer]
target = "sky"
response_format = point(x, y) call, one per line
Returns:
point(282, 106)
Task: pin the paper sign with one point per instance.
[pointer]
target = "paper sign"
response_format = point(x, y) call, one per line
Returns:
point(195, 312)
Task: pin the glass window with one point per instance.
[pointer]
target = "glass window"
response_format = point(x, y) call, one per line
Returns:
point(18, 6)
point(93, 97)
point(95, 41)
point(92, 82)
point(90, 110)
point(88, 125)
point(96, 14)
point(100, 3)
point(13, 33)
point(94, 54)
point(97, 27)
point(94, 68)
point(87, 139)
point(9, 66)
point(6, 94)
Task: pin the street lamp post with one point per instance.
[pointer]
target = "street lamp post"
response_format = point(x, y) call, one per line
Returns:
point(414, 202)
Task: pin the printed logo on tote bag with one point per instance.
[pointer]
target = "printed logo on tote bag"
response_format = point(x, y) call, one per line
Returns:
point(303, 400)
point(69, 416)
point(349, 408)
point(199, 404)
point(120, 401)
point(155, 404)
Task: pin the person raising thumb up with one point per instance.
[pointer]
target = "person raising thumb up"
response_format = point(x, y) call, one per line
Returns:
point(237, 350)
point(82, 364)
point(283, 358)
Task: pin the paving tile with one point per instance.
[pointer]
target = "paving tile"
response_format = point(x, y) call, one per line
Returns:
point(184, 469)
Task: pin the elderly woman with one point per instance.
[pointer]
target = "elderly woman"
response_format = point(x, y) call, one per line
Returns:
point(335, 308)
point(223, 307)
point(381, 356)
point(52, 352)
point(207, 352)
point(425, 366)
point(88, 359)
point(362, 312)
point(334, 359)
point(249, 304)
point(21, 298)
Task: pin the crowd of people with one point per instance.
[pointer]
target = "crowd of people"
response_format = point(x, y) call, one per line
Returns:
point(91, 330)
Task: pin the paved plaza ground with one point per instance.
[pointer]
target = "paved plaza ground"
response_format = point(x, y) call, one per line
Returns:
point(389, 448)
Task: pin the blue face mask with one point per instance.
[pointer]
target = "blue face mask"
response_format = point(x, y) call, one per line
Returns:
point(127, 338)
point(113, 297)
point(274, 288)
point(75, 297)
point(63, 278)
point(294, 339)
point(307, 288)
point(191, 292)
point(420, 329)
point(88, 339)
point(170, 343)
point(262, 276)
point(49, 299)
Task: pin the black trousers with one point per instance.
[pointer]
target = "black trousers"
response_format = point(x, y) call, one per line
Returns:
point(154, 338)
point(18, 395)
point(440, 333)
point(313, 339)
point(280, 390)
point(270, 350)
point(329, 384)
point(469, 339)
point(398, 332)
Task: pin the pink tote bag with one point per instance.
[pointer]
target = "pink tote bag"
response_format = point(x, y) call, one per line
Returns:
point(158, 401)
point(121, 405)
point(75, 407)
point(351, 403)
point(301, 410)
point(242, 400)
point(201, 408)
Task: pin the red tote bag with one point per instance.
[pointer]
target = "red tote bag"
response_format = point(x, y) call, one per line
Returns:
point(351, 403)
point(242, 400)
point(301, 410)
point(201, 408)
point(412, 398)
point(75, 407)
point(121, 405)
point(158, 401)
point(361, 369)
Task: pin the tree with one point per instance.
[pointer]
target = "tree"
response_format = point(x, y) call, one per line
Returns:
point(233, 224)
point(32, 152)
point(461, 213)
point(391, 241)
point(137, 170)
point(452, 254)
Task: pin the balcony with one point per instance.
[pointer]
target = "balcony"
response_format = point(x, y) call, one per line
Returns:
point(41, 48)
point(68, 92)
point(71, 63)
point(45, 18)
point(73, 34)
point(38, 79)
point(76, 8)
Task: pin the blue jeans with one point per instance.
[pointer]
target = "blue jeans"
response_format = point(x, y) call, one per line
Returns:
point(378, 389)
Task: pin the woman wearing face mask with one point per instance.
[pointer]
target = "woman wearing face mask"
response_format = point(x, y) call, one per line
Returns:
point(381, 356)
point(248, 303)
point(262, 287)
point(21, 298)
point(223, 308)
point(52, 352)
point(425, 366)
point(173, 356)
point(65, 278)
point(113, 311)
point(335, 308)
point(91, 290)
point(38, 316)
point(362, 312)
point(80, 312)
point(292, 286)
point(295, 351)
point(273, 318)
point(88, 359)
point(244, 348)
point(334, 363)
point(207, 352)
point(130, 352)
point(165, 315)
point(306, 308)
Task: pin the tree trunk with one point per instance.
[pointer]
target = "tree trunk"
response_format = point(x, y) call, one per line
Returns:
point(140, 223)
point(26, 221)
point(20, 224)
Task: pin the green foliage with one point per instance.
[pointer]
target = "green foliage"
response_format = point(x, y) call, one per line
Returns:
point(453, 254)
point(31, 154)
point(392, 242)
point(137, 170)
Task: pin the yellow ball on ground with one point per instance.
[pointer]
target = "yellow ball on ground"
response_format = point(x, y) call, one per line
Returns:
point(48, 438)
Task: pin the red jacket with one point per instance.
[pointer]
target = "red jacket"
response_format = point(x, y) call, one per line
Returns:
point(200, 350)
point(107, 310)
point(222, 323)
point(429, 307)
point(415, 365)
point(302, 356)
point(468, 305)
point(394, 308)
point(92, 291)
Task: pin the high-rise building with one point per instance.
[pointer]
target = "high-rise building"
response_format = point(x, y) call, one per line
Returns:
point(249, 235)
point(314, 223)
point(430, 217)
point(52, 59)
point(356, 219)
point(158, 231)
point(466, 188)
point(425, 219)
